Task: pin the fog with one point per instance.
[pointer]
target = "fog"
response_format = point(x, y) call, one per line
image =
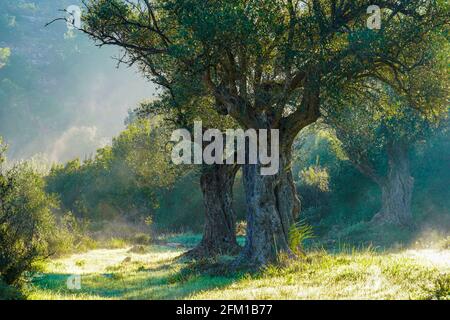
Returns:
point(60, 95)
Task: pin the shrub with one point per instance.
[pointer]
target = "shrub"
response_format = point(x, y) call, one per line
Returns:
point(314, 190)
point(440, 289)
point(70, 235)
point(26, 221)
point(141, 239)
point(317, 177)
point(444, 244)
point(8, 292)
point(115, 243)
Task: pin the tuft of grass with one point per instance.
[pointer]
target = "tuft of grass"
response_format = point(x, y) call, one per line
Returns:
point(80, 263)
point(440, 289)
point(115, 243)
point(298, 234)
point(141, 239)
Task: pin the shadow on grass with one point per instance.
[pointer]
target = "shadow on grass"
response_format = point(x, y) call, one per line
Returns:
point(167, 281)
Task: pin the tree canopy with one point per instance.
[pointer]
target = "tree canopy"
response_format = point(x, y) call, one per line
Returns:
point(257, 57)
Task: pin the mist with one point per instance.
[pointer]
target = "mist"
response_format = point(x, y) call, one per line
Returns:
point(60, 95)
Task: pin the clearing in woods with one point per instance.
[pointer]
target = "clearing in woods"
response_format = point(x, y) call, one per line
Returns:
point(154, 272)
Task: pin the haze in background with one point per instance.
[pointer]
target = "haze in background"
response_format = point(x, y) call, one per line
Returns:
point(60, 96)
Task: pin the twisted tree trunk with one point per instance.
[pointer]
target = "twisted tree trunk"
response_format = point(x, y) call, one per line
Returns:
point(272, 201)
point(272, 207)
point(219, 235)
point(396, 188)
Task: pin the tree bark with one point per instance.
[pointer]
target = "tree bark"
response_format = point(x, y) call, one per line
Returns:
point(272, 207)
point(396, 188)
point(219, 235)
point(272, 201)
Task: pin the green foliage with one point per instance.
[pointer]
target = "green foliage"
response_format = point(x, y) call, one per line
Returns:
point(8, 292)
point(26, 221)
point(116, 243)
point(298, 234)
point(316, 177)
point(71, 235)
point(353, 198)
point(431, 199)
point(259, 57)
point(142, 239)
point(122, 181)
point(440, 289)
point(265, 59)
point(4, 56)
point(384, 119)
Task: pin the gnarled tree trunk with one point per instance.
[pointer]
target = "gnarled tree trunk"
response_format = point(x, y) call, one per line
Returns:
point(219, 235)
point(272, 201)
point(272, 206)
point(396, 188)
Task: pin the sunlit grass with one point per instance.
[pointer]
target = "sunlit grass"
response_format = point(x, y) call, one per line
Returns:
point(158, 274)
point(356, 275)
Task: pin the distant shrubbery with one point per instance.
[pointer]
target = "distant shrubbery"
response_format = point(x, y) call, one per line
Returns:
point(124, 181)
point(70, 235)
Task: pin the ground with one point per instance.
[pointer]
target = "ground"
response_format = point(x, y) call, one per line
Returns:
point(156, 272)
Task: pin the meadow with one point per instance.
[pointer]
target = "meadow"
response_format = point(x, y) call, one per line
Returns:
point(160, 272)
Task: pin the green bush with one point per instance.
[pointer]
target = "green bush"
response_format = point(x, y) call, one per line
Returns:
point(26, 222)
point(70, 236)
point(8, 292)
point(142, 239)
point(115, 243)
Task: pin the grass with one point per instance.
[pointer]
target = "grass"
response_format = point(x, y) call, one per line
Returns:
point(154, 272)
point(352, 275)
point(190, 239)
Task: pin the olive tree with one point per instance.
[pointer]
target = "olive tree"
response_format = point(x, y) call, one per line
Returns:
point(267, 64)
point(378, 129)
